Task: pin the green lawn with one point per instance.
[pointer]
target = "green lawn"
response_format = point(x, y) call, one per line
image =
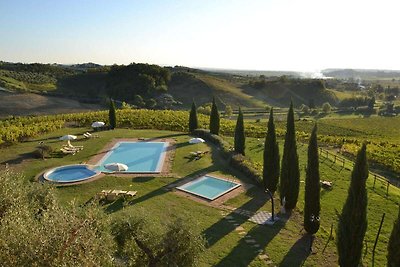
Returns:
point(333, 200)
point(284, 242)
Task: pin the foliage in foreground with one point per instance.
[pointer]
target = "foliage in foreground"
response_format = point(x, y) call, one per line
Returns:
point(312, 187)
point(144, 242)
point(353, 219)
point(393, 257)
point(271, 157)
point(42, 233)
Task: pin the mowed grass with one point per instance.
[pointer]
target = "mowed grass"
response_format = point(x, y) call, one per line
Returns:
point(332, 202)
point(284, 242)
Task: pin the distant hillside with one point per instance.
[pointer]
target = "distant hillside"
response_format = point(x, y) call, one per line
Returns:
point(280, 91)
point(267, 73)
point(16, 104)
point(364, 74)
point(202, 87)
point(153, 86)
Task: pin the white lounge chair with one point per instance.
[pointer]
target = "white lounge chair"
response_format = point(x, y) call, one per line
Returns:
point(89, 135)
point(66, 151)
point(70, 146)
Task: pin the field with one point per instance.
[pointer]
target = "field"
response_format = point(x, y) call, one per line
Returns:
point(13, 104)
point(284, 243)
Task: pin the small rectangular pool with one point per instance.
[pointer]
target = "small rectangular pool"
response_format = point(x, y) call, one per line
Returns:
point(209, 187)
point(140, 157)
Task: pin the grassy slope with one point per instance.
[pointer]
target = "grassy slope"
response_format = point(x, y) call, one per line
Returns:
point(283, 242)
point(332, 202)
point(33, 104)
point(11, 83)
point(228, 92)
point(342, 94)
point(202, 87)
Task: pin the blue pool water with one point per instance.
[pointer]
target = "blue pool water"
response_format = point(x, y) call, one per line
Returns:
point(140, 157)
point(68, 174)
point(209, 187)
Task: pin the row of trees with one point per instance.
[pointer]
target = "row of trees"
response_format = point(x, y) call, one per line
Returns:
point(353, 219)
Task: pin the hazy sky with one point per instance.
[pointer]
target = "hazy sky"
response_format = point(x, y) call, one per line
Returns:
point(305, 35)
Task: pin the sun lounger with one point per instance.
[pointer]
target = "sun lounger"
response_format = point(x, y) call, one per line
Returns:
point(89, 135)
point(73, 147)
point(131, 193)
point(66, 151)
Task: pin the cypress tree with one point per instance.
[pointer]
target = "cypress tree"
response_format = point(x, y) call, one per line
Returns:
point(214, 119)
point(240, 137)
point(393, 256)
point(271, 157)
point(353, 219)
point(193, 122)
point(312, 187)
point(112, 117)
point(290, 173)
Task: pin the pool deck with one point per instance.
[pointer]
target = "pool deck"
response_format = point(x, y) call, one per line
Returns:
point(166, 167)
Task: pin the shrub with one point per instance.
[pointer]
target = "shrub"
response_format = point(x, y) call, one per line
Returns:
point(326, 108)
point(43, 151)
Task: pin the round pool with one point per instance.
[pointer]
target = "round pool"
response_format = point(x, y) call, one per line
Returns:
point(70, 173)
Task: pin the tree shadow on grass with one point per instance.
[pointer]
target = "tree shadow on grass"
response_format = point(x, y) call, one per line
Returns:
point(222, 228)
point(167, 188)
point(20, 158)
point(142, 179)
point(166, 136)
point(115, 206)
point(244, 253)
point(298, 253)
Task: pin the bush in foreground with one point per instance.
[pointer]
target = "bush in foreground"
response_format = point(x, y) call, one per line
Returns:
point(42, 233)
point(143, 242)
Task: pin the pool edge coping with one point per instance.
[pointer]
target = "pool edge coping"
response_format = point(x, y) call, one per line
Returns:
point(169, 154)
point(237, 185)
point(88, 166)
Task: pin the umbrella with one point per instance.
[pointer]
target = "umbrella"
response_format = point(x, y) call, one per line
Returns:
point(97, 124)
point(116, 167)
point(68, 137)
point(196, 140)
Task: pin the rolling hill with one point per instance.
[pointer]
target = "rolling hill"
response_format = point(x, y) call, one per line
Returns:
point(125, 83)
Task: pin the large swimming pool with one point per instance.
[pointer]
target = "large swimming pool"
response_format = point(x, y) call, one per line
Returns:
point(140, 157)
point(209, 187)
